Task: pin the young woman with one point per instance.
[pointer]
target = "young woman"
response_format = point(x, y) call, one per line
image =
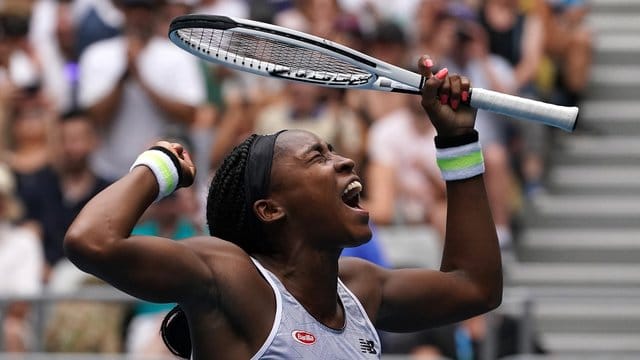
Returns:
point(268, 283)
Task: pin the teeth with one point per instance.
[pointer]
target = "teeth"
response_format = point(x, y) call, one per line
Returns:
point(353, 185)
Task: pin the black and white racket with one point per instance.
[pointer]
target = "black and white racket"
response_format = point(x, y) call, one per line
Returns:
point(274, 51)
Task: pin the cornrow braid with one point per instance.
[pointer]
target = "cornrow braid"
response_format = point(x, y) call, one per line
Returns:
point(226, 203)
point(227, 219)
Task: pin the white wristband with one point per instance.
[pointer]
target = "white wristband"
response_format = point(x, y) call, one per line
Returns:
point(163, 169)
point(460, 162)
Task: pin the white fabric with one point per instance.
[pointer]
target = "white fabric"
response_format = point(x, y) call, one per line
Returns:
point(401, 12)
point(42, 22)
point(158, 162)
point(358, 338)
point(233, 8)
point(137, 122)
point(23, 72)
point(21, 261)
point(143, 337)
point(456, 151)
point(66, 278)
point(394, 142)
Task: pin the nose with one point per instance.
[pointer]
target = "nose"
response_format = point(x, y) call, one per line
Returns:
point(344, 164)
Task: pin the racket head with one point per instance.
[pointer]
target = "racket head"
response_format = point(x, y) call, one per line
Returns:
point(272, 51)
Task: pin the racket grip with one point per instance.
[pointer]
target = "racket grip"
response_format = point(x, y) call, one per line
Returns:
point(562, 117)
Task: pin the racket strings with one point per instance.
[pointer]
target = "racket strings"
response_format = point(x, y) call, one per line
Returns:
point(233, 46)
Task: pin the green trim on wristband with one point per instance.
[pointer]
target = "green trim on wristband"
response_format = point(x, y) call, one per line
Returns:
point(460, 162)
point(165, 170)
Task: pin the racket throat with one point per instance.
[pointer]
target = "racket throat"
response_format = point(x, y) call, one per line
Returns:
point(385, 84)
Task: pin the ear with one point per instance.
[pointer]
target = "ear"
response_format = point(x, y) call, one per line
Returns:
point(268, 210)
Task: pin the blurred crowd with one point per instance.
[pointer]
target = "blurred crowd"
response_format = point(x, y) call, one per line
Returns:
point(86, 85)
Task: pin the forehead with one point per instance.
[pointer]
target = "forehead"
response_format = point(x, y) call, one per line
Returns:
point(295, 143)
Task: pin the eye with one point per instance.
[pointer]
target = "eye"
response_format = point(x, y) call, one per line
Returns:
point(320, 157)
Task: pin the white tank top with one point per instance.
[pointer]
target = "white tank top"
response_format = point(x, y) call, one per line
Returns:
point(298, 335)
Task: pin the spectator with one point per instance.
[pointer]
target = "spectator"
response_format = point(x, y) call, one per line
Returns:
point(516, 36)
point(311, 108)
point(519, 38)
point(568, 42)
point(31, 127)
point(21, 264)
point(128, 85)
point(20, 79)
point(234, 8)
point(18, 59)
point(469, 54)
point(464, 340)
point(59, 47)
point(430, 17)
point(55, 194)
point(403, 181)
point(388, 43)
point(96, 20)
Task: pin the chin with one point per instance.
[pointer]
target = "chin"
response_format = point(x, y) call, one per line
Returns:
point(361, 237)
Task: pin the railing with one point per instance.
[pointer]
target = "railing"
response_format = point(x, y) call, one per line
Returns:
point(516, 301)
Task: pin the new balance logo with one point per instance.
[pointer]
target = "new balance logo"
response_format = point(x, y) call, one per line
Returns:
point(367, 346)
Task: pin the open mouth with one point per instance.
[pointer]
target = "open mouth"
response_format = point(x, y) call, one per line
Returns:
point(351, 195)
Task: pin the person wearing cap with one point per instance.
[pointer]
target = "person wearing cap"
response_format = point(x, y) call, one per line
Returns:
point(21, 265)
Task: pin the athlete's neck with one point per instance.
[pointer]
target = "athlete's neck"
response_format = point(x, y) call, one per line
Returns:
point(311, 276)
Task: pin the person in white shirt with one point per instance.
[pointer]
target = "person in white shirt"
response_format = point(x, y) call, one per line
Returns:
point(21, 266)
point(137, 87)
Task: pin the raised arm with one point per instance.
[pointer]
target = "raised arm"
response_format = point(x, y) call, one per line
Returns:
point(470, 278)
point(151, 268)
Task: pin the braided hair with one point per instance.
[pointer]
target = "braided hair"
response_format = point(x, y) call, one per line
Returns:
point(227, 214)
point(227, 218)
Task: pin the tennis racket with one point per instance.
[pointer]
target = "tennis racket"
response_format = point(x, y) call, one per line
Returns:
point(278, 52)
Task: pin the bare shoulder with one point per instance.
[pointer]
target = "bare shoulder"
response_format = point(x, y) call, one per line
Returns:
point(365, 280)
point(239, 287)
point(222, 257)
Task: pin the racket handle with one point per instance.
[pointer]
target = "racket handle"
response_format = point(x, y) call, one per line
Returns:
point(562, 117)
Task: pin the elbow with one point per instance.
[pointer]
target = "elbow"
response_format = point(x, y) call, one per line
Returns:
point(80, 250)
point(493, 300)
point(491, 297)
point(74, 248)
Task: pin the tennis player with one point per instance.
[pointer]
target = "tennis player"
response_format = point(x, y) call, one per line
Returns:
point(268, 283)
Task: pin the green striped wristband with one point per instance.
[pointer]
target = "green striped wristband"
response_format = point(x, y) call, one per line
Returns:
point(163, 169)
point(460, 162)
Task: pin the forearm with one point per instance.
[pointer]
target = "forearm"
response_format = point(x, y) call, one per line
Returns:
point(471, 245)
point(111, 215)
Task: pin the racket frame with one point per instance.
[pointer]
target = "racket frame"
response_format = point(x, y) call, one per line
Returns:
point(377, 74)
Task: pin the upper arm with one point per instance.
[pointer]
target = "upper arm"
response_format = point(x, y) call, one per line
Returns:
point(413, 299)
point(151, 268)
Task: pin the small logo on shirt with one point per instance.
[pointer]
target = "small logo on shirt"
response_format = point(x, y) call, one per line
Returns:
point(367, 346)
point(303, 337)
